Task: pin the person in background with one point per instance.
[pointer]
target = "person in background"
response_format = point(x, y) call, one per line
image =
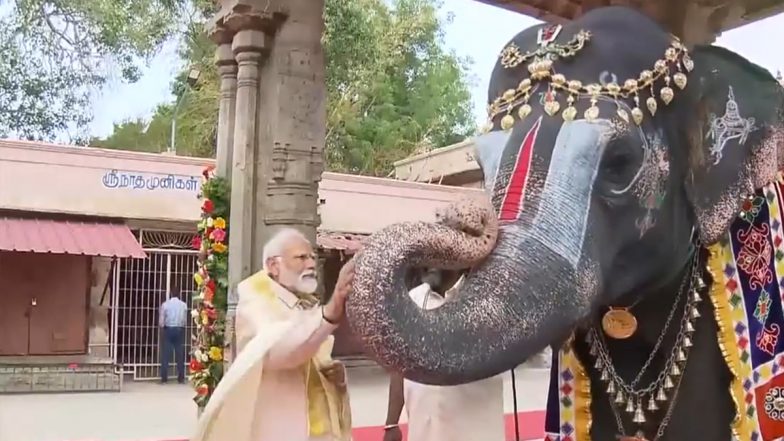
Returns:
point(283, 384)
point(467, 412)
point(172, 318)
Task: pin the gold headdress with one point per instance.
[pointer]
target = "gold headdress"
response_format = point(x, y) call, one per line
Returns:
point(676, 59)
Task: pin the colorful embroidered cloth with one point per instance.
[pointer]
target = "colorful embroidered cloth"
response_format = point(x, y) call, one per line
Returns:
point(748, 268)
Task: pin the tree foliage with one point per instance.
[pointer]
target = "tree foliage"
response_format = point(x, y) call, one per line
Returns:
point(392, 87)
point(57, 53)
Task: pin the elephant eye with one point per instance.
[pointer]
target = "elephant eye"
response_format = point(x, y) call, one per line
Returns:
point(619, 166)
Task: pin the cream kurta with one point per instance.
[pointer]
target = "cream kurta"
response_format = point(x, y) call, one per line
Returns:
point(468, 412)
point(264, 395)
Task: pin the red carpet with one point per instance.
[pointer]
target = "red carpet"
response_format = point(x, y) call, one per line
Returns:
point(531, 427)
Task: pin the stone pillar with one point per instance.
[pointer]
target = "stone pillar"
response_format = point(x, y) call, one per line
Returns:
point(227, 68)
point(279, 125)
point(292, 122)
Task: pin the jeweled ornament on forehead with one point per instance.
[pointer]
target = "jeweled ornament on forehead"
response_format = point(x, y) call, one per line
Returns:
point(671, 69)
point(547, 34)
point(546, 51)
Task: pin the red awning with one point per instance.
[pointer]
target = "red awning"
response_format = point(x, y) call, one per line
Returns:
point(68, 237)
point(350, 243)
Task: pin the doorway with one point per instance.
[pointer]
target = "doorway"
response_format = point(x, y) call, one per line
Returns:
point(45, 296)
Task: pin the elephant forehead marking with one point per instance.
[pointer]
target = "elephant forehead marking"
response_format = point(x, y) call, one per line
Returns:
point(562, 215)
point(514, 193)
point(489, 149)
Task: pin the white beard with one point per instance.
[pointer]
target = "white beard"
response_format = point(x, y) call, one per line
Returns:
point(303, 283)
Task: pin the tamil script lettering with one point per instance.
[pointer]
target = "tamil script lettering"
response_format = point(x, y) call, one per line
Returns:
point(149, 181)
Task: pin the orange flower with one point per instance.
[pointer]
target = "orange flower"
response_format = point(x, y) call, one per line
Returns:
point(202, 390)
point(208, 294)
point(219, 247)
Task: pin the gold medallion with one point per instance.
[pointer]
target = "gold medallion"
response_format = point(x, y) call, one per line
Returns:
point(619, 323)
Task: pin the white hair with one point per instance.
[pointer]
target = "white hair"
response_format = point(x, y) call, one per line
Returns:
point(278, 243)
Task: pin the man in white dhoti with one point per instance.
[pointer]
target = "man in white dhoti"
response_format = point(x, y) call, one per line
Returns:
point(468, 412)
point(283, 384)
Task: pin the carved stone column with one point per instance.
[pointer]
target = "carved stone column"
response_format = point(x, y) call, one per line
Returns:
point(278, 129)
point(292, 121)
point(248, 48)
point(227, 68)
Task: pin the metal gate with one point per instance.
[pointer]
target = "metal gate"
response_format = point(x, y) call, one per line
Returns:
point(139, 288)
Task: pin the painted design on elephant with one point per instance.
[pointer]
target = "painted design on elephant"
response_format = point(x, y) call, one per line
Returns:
point(762, 309)
point(561, 218)
point(651, 185)
point(728, 127)
point(767, 338)
point(750, 208)
point(607, 77)
point(514, 192)
point(774, 403)
point(755, 255)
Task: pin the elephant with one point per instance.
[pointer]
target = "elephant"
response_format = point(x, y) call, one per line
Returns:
point(614, 157)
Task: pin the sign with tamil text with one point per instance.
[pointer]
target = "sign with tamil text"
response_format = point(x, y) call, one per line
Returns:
point(117, 179)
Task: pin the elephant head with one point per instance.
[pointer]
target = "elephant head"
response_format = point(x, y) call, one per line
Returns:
point(610, 144)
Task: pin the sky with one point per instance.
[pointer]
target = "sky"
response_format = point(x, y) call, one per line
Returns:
point(478, 31)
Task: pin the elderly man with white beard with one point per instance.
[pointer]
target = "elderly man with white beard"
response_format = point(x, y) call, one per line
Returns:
point(283, 384)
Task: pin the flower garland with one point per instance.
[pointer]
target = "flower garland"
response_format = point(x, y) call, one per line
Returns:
point(209, 314)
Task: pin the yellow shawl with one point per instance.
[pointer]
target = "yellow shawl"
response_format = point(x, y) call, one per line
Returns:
point(229, 417)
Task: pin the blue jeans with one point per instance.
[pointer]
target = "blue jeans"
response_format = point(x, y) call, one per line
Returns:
point(173, 340)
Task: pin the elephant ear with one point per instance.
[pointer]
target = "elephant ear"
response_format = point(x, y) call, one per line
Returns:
point(738, 141)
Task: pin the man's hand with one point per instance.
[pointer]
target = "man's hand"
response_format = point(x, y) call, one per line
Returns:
point(393, 434)
point(335, 373)
point(333, 311)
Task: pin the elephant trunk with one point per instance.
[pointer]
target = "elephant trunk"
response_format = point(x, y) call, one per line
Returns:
point(509, 308)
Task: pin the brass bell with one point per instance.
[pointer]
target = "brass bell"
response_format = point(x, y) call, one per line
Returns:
point(652, 407)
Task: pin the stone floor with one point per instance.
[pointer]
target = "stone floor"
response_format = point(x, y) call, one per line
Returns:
point(148, 411)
